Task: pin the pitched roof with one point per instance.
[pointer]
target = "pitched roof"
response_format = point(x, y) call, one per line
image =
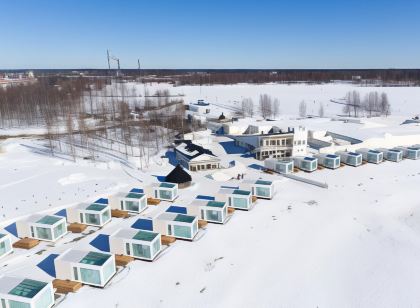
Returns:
point(178, 175)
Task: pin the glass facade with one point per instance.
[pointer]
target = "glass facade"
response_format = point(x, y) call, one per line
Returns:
point(165, 194)
point(156, 247)
point(4, 247)
point(44, 233)
point(214, 215)
point(16, 304)
point(92, 219)
point(108, 271)
point(132, 206)
point(105, 216)
point(239, 202)
point(182, 231)
point(141, 251)
point(90, 276)
point(262, 191)
point(59, 230)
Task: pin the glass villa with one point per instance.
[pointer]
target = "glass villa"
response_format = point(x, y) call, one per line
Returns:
point(350, 158)
point(329, 161)
point(260, 188)
point(5, 244)
point(94, 214)
point(177, 225)
point(371, 156)
point(306, 163)
point(25, 293)
point(279, 165)
point(135, 201)
point(165, 191)
point(392, 154)
point(236, 198)
point(42, 227)
point(410, 152)
point(209, 210)
point(140, 244)
point(88, 267)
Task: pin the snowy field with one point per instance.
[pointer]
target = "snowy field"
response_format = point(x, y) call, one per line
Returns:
point(355, 244)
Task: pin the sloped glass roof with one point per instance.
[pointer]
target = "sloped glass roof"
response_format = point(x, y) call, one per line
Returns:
point(96, 207)
point(95, 258)
point(145, 236)
point(262, 182)
point(216, 204)
point(134, 196)
point(184, 218)
point(28, 288)
point(241, 192)
point(49, 220)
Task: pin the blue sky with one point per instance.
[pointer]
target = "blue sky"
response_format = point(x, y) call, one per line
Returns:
point(210, 33)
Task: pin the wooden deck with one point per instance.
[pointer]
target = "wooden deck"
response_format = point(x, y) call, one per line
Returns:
point(320, 167)
point(296, 169)
point(26, 243)
point(119, 213)
point(152, 201)
point(122, 260)
point(76, 227)
point(202, 223)
point(254, 199)
point(66, 286)
point(167, 240)
point(230, 210)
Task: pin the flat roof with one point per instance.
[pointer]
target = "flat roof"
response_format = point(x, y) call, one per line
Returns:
point(354, 154)
point(28, 288)
point(395, 150)
point(137, 190)
point(145, 236)
point(95, 258)
point(49, 220)
point(135, 195)
point(374, 151)
point(332, 156)
point(96, 207)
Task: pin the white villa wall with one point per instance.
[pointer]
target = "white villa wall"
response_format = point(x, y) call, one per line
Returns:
point(63, 269)
point(116, 245)
point(23, 229)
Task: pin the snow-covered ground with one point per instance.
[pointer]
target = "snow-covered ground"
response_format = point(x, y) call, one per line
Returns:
point(355, 244)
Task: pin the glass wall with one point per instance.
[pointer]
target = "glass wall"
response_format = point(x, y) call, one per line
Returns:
point(132, 206)
point(239, 202)
point(3, 248)
point(182, 231)
point(156, 247)
point(214, 215)
point(165, 194)
point(141, 251)
point(105, 216)
point(59, 230)
point(90, 276)
point(44, 233)
point(16, 304)
point(108, 271)
point(262, 191)
point(92, 219)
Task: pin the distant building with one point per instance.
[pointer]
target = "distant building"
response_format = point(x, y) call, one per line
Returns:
point(195, 157)
point(274, 142)
point(200, 107)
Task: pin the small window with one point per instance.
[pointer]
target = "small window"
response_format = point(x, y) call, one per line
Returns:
point(127, 248)
point(75, 273)
point(169, 229)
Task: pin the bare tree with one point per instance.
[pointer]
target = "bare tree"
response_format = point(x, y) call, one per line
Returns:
point(385, 106)
point(248, 107)
point(265, 105)
point(302, 109)
point(276, 108)
point(321, 111)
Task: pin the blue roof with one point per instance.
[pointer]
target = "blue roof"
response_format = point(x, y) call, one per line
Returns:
point(137, 191)
point(332, 156)
point(177, 209)
point(143, 224)
point(230, 187)
point(374, 151)
point(309, 158)
point(101, 201)
point(204, 197)
point(12, 229)
point(101, 242)
point(354, 154)
point(62, 213)
point(47, 265)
